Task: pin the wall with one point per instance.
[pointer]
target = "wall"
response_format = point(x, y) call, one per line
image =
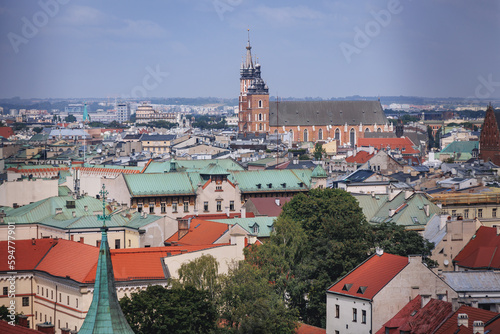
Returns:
point(344, 323)
point(27, 191)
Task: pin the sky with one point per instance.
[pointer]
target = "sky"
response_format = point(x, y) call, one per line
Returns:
point(193, 48)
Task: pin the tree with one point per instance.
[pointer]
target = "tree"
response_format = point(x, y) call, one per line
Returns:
point(70, 118)
point(182, 310)
point(249, 303)
point(37, 129)
point(319, 151)
point(200, 273)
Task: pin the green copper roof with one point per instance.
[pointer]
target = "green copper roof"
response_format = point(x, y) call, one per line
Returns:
point(319, 172)
point(159, 184)
point(105, 315)
point(461, 147)
point(272, 180)
point(259, 226)
point(214, 169)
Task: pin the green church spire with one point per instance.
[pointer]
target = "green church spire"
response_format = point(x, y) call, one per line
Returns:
point(105, 315)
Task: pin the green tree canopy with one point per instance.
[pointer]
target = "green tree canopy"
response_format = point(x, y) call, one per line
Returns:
point(182, 310)
point(319, 151)
point(70, 118)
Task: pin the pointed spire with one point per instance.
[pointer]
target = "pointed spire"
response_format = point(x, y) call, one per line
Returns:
point(105, 315)
point(248, 61)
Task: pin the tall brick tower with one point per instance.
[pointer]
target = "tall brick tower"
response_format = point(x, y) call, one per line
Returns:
point(254, 97)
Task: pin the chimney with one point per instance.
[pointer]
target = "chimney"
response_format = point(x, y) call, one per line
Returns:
point(65, 331)
point(392, 212)
point(182, 227)
point(227, 211)
point(33, 241)
point(277, 201)
point(46, 327)
point(424, 299)
point(408, 194)
point(426, 209)
point(498, 229)
point(463, 320)
point(243, 211)
point(442, 223)
point(379, 251)
point(22, 320)
point(478, 327)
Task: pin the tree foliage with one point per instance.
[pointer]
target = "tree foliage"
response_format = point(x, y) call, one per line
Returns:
point(319, 151)
point(202, 274)
point(319, 237)
point(182, 310)
point(70, 118)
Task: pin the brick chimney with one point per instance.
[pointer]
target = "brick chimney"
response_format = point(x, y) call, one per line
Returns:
point(46, 328)
point(463, 320)
point(65, 331)
point(22, 320)
point(478, 327)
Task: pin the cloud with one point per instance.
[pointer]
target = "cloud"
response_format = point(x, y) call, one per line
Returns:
point(94, 21)
point(288, 15)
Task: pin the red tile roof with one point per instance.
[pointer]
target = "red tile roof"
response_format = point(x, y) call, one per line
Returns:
point(27, 255)
point(201, 232)
point(78, 261)
point(393, 143)
point(416, 320)
point(451, 325)
point(308, 329)
point(482, 251)
point(366, 280)
point(5, 328)
point(361, 157)
point(6, 131)
point(267, 206)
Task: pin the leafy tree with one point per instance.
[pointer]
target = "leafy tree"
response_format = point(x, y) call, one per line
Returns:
point(70, 118)
point(17, 126)
point(431, 138)
point(133, 117)
point(249, 304)
point(4, 314)
point(304, 157)
point(37, 129)
point(319, 151)
point(202, 274)
point(95, 124)
point(182, 310)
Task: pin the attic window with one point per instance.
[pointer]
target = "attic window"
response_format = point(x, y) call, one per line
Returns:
point(283, 185)
point(255, 228)
point(259, 186)
point(269, 185)
point(347, 287)
point(70, 204)
point(301, 184)
point(58, 211)
point(361, 289)
point(415, 220)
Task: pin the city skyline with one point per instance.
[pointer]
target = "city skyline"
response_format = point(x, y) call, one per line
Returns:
point(76, 49)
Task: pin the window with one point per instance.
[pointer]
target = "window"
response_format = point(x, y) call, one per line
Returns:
point(480, 213)
point(466, 213)
point(352, 137)
point(5, 291)
point(151, 208)
point(260, 103)
point(174, 207)
point(129, 243)
point(163, 207)
point(363, 316)
point(219, 205)
point(26, 301)
point(60, 296)
point(231, 205)
point(337, 134)
point(320, 134)
point(305, 135)
point(205, 206)
point(117, 243)
point(67, 302)
point(453, 213)
point(255, 228)
point(139, 207)
point(260, 117)
point(337, 311)
point(186, 206)
point(494, 212)
point(76, 302)
point(51, 294)
point(354, 315)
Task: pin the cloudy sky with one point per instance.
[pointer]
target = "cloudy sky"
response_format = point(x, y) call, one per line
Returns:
point(191, 48)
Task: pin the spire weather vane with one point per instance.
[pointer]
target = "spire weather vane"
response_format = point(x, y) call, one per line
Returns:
point(104, 216)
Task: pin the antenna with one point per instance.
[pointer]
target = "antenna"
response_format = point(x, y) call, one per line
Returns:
point(277, 130)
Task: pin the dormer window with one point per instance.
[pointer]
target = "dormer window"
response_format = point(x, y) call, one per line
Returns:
point(347, 287)
point(259, 186)
point(255, 229)
point(283, 185)
point(269, 185)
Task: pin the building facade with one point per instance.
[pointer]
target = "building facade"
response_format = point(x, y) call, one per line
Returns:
point(489, 141)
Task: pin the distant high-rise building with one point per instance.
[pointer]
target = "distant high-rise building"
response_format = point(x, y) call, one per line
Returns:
point(122, 112)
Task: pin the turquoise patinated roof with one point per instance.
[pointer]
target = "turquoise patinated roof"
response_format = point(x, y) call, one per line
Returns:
point(461, 147)
point(190, 165)
point(319, 172)
point(159, 184)
point(105, 315)
point(259, 226)
point(272, 180)
point(214, 169)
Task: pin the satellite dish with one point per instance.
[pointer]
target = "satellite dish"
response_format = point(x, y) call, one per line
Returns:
point(99, 150)
point(446, 262)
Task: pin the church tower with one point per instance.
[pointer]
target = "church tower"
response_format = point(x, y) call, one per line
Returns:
point(254, 97)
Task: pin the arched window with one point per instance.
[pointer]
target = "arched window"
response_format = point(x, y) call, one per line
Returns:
point(260, 103)
point(320, 134)
point(379, 130)
point(291, 135)
point(352, 137)
point(367, 130)
point(337, 134)
point(249, 105)
point(260, 116)
point(260, 127)
point(305, 135)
